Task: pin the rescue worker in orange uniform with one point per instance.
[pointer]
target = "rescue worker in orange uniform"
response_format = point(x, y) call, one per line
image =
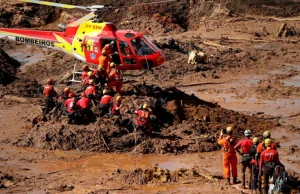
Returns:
point(229, 156)
point(104, 61)
point(269, 159)
point(84, 107)
point(58, 110)
point(105, 103)
point(142, 121)
point(108, 49)
point(115, 78)
point(49, 93)
point(85, 71)
point(71, 107)
point(246, 145)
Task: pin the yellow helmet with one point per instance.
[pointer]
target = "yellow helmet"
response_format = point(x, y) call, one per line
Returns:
point(229, 129)
point(91, 81)
point(267, 134)
point(67, 90)
point(112, 64)
point(145, 106)
point(119, 98)
point(90, 73)
point(255, 140)
point(105, 91)
point(268, 142)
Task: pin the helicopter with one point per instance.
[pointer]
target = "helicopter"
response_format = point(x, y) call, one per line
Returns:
point(85, 38)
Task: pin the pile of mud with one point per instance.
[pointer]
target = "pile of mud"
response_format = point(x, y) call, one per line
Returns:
point(8, 68)
point(181, 123)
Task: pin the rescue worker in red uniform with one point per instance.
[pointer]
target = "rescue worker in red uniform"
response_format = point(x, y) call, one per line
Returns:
point(86, 81)
point(255, 166)
point(269, 159)
point(229, 156)
point(142, 121)
point(49, 93)
point(58, 110)
point(115, 111)
point(84, 107)
point(90, 92)
point(115, 78)
point(105, 103)
point(246, 145)
point(85, 71)
point(100, 77)
point(71, 107)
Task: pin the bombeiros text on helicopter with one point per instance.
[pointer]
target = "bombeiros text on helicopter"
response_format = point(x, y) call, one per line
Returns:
point(85, 38)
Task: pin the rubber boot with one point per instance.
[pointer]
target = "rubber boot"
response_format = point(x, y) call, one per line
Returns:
point(234, 180)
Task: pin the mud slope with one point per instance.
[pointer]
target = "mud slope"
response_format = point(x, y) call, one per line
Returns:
point(8, 68)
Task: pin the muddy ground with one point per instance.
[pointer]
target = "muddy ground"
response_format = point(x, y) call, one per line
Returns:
point(251, 81)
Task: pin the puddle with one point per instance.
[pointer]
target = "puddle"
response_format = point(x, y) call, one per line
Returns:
point(27, 55)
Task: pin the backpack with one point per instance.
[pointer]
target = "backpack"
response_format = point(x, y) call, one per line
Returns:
point(281, 179)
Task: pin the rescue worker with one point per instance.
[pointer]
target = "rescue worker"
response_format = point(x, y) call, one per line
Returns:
point(105, 103)
point(261, 147)
point(85, 71)
point(85, 82)
point(229, 156)
point(255, 166)
point(84, 107)
point(115, 111)
point(58, 110)
point(90, 92)
point(101, 77)
point(142, 121)
point(115, 78)
point(269, 159)
point(108, 49)
point(71, 107)
point(245, 145)
point(49, 93)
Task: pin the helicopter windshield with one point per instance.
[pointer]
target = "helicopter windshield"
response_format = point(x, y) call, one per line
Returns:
point(141, 47)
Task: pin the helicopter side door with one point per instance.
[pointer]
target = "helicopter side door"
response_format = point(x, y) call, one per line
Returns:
point(91, 49)
point(128, 59)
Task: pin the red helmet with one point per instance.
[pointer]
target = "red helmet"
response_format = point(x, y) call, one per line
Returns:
point(49, 81)
point(71, 95)
point(83, 94)
point(86, 68)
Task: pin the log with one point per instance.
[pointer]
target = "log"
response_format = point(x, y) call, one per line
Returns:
point(281, 30)
point(15, 98)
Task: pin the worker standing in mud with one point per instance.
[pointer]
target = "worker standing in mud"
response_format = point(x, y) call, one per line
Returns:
point(229, 155)
point(115, 111)
point(115, 78)
point(142, 121)
point(269, 159)
point(71, 107)
point(49, 93)
point(85, 71)
point(245, 145)
point(105, 103)
point(58, 110)
point(255, 166)
point(84, 107)
point(90, 92)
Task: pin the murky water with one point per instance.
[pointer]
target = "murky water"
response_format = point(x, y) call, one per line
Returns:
point(27, 55)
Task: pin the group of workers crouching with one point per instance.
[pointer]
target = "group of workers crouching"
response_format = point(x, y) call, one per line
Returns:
point(261, 158)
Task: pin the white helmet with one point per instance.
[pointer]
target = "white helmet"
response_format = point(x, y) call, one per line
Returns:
point(247, 133)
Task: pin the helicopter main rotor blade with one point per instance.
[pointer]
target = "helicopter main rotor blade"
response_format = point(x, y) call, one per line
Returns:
point(83, 19)
point(166, 1)
point(55, 4)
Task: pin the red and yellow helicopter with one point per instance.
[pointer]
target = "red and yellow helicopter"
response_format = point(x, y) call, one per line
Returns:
point(85, 38)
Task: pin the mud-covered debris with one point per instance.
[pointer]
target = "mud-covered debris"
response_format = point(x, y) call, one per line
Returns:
point(8, 68)
point(7, 180)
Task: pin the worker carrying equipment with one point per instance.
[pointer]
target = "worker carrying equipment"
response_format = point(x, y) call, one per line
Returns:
point(229, 155)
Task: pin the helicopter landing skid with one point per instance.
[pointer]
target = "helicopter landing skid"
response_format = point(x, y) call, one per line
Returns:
point(75, 74)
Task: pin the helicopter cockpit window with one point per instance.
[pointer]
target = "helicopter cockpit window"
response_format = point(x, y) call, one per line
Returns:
point(124, 46)
point(141, 47)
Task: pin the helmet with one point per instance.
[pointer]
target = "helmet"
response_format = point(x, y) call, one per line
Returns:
point(254, 140)
point(112, 64)
point(268, 142)
point(267, 134)
point(91, 81)
point(85, 68)
point(112, 42)
point(49, 81)
point(229, 129)
point(83, 94)
point(145, 106)
point(119, 98)
point(90, 73)
point(67, 90)
point(71, 95)
point(105, 91)
point(247, 133)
